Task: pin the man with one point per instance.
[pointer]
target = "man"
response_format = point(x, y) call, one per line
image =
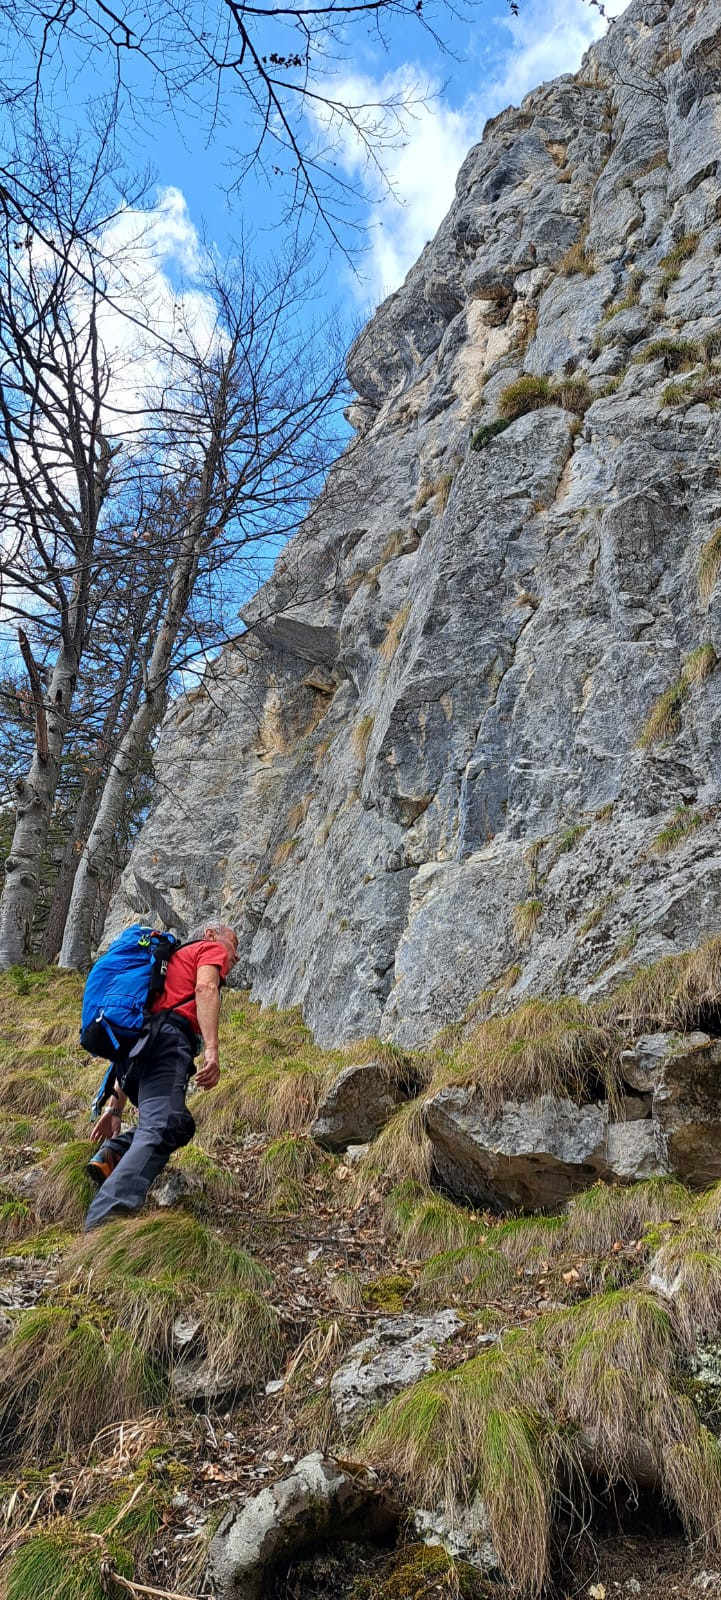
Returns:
point(155, 1077)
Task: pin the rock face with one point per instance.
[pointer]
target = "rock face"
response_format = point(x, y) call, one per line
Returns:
point(397, 1352)
point(457, 657)
point(320, 1500)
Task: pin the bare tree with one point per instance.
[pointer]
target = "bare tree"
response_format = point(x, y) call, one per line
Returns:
point(243, 430)
point(57, 466)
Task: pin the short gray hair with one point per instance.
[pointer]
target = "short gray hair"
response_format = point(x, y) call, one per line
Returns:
point(200, 931)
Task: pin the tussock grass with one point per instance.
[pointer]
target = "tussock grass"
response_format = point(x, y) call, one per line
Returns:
point(683, 822)
point(150, 1270)
point(65, 1191)
point(401, 1152)
point(173, 1245)
point(606, 1213)
point(16, 1218)
point(674, 993)
point(578, 259)
point(470, 1275)
point(429, 1222)
point(688, 1267)
point(526, 393)
point(699, 665)
point(664, 719)
point(526, 916)
point(514, 1422)
point(709, 565)
point(679, 355)
point(671, 263)
point(59, 1563)
point(283, 1170)
point(27, 1093)
point(61, 1370)
point(219, 1183)
point(555, 1047)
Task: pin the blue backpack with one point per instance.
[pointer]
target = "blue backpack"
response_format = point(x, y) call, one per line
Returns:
point(119, 990)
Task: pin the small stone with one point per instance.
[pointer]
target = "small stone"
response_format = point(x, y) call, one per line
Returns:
point(397, 1351)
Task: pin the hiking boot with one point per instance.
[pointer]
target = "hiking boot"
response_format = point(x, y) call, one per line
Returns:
point(100, 1168)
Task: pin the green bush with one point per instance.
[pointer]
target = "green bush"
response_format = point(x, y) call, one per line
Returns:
point(488, 431)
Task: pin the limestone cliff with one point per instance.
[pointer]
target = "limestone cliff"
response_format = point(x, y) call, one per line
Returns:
point(471, 734)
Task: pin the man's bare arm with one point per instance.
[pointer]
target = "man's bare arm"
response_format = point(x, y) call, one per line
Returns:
point(207, 1005)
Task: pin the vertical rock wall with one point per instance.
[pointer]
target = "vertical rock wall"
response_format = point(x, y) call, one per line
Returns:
point(429, 765)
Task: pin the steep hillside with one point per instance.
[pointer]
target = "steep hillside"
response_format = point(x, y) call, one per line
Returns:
point(307, 1372)
point(472, 727)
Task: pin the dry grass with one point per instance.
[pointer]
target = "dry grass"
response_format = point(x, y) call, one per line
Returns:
point(664, 719)
point(526, 916)
point(360, 737)
point(284, 1169)
point(437, 488)
point(577, 259)
point(402, 1151)
point(709, 565)
point(556, 1047)
point(671, 264)
point(608, 1213)
point(675, 993)
point(699, 665)
point(394, 633)
point(687, 1267)
point(683, 822)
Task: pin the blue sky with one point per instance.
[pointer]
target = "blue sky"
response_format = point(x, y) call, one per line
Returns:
point(493, 59)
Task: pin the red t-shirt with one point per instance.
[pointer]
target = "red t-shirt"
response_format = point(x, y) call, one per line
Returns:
point(183, 976)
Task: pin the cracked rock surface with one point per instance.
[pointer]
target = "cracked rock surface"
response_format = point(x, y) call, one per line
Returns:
point(457, 657)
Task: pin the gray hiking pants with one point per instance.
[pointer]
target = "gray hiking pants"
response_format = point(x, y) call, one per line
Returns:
point(164, 1124)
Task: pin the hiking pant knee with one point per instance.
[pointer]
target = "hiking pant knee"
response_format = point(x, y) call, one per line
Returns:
point(164, 1125)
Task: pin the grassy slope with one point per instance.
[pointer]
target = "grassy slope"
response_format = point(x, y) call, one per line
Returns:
point(96, 1449)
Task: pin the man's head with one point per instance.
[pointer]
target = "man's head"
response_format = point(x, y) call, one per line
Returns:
point(225, 936)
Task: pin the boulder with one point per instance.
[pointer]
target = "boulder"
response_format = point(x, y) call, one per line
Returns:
point(537, 1153)
point(397, 1352)
point(320, 1500)
point(683, 1074)
point(356, 1107)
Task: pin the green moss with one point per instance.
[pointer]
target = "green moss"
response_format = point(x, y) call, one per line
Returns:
point(424, 1572)
point(388, 1294)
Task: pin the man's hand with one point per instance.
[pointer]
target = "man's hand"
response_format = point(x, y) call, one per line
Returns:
point(106, 1127)
point(209, 1072)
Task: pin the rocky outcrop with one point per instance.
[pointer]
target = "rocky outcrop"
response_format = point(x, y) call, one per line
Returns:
point(320, 1500)
point(538, 1154)
point(472, 725)
point(357, 1105)
point(397, 1351)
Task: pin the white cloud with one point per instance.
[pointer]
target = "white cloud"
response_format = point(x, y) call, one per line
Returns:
point(547, 39)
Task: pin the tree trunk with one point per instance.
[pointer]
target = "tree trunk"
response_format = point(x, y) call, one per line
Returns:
point(86, 812)
point(95, 859)
point(36, 794)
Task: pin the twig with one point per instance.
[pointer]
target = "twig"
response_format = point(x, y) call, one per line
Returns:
point(109, 1576)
